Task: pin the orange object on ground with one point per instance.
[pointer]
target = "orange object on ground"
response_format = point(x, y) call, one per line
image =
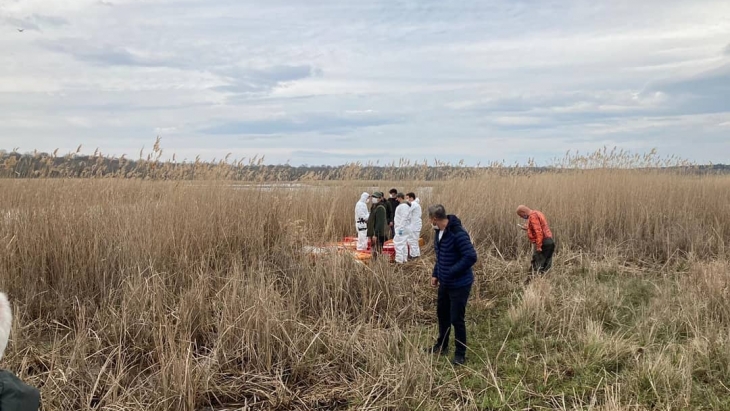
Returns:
point(351, 243)
point(363, 256)
point(348, 245)
point(389, 249)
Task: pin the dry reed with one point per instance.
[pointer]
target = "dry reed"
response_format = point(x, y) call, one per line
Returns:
point(192, 295)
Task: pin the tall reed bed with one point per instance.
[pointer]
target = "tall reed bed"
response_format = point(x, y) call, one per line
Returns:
point(134, 294)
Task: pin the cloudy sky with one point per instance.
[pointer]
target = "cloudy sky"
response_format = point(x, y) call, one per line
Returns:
point(335, 81)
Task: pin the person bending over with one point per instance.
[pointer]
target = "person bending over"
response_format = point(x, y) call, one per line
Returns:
point(539, 234)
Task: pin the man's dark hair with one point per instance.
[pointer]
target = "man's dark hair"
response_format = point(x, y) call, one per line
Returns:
point(400, 195)
point(437, 211)
point(393, 191)
point(412, 195)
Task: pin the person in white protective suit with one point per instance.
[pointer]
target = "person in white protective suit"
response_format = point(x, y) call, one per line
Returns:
point(361, 222)
point(414, 250)
point(402, 228)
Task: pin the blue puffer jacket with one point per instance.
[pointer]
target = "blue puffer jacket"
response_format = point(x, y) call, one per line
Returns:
point(455, 255)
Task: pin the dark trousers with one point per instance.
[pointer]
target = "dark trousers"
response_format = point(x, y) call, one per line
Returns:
point(378, 246)
point(542, 261)
point(450, 309)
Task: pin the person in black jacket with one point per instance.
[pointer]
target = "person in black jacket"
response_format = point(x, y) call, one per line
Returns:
point(393, 203)
point(453, 275)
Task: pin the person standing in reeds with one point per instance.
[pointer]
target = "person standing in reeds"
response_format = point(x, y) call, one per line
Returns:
point(402, 224)
point(539, 234)
point(377, 223)
point(453, 275)
point(414, 249)
point(392, 204)
point(361, 221)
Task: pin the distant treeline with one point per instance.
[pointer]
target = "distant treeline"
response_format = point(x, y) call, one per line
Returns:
point(45, 165)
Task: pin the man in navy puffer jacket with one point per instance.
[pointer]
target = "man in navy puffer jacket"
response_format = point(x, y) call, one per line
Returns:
point(453, 275)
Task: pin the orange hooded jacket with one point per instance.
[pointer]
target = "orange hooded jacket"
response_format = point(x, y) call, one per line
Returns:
point(538, 229)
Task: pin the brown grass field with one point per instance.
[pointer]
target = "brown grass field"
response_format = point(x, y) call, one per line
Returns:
point(194, 295)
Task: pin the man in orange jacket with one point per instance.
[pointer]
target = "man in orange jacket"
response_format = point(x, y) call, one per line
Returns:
point(539, 234)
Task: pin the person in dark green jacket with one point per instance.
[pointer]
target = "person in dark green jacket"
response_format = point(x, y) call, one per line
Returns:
point(15, 395)
point(378, 222)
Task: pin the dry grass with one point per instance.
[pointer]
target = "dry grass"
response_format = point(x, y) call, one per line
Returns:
point(151, 166)
point(136, 294)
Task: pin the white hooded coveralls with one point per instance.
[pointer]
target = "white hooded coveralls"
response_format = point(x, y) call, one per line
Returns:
point(402, 227)
point(414, 250)
point(361, 222)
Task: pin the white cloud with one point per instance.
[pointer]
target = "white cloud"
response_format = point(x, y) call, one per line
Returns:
point(327, 78)
point(79, 122)
point(516, 120)
point(165, 130)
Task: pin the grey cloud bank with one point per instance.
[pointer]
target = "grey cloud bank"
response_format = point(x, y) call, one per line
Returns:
point(330, 81)
point(33, 22)
point(308, 124)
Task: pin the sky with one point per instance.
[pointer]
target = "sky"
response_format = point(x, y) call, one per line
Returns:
point(338, 81)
